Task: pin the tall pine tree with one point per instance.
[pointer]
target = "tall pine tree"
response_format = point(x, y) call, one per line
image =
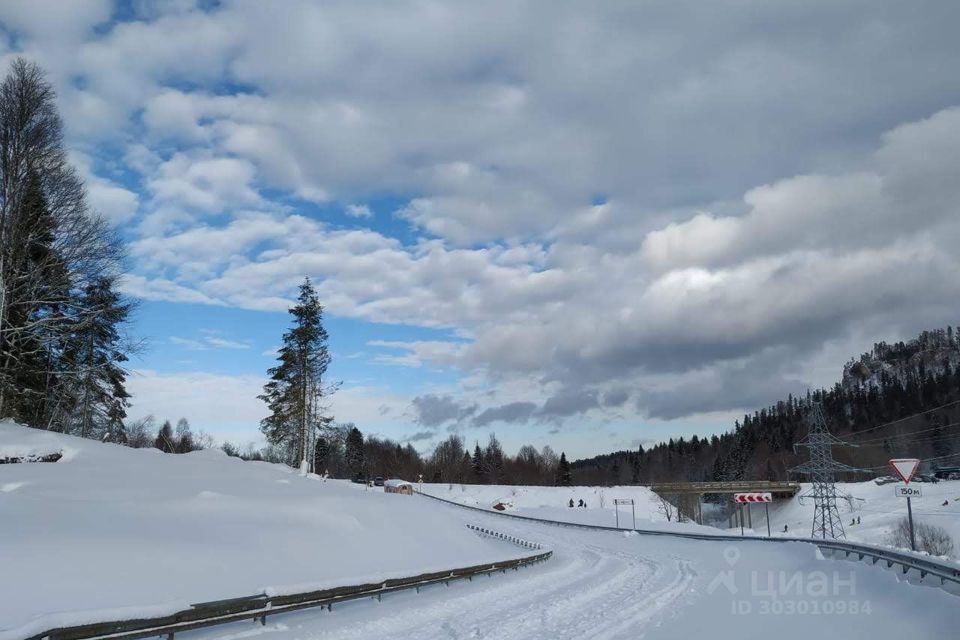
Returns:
point(296, 389)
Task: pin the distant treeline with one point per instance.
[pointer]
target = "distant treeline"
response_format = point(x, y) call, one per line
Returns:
point(887, 384)
point(343, 452)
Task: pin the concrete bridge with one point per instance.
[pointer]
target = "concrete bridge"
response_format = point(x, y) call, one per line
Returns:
point(778, 489)
point(688, 496)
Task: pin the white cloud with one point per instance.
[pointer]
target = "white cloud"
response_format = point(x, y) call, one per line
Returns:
point(208, 341)
point(358, 211)
point(215, 403)
point(580, 231)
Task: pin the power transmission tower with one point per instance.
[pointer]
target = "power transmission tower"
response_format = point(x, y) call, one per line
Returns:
point(822, 469)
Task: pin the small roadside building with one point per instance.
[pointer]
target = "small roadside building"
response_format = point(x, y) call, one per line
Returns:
point(398, 486)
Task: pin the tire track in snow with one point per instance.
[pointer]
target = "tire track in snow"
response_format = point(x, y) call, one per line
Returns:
point(595, 586)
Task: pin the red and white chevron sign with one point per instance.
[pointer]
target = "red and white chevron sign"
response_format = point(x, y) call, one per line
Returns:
point(753, 497)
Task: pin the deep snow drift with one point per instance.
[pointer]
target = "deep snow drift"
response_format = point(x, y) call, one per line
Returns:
point(109, 528)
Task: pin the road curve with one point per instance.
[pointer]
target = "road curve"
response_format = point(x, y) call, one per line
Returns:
point(612, 585)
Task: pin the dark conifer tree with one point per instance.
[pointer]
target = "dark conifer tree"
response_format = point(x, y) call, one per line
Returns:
point(563, 471)
point(96, 353)
point(296, 389)
point(166, 441)
point(354, 451)
point(476, 464)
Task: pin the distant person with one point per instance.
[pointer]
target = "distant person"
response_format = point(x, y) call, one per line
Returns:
point(571, 503)
point(584, 505)
point(784, 528)
point(945, 503)
point(858, 519)
point(580, 503)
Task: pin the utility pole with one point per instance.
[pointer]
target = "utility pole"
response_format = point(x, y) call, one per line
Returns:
point(822, 469)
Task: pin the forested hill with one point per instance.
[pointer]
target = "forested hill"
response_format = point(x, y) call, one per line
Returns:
point(890, 383)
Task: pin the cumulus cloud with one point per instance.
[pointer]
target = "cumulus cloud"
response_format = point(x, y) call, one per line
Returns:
point(595, 245)
point(513, 412)
point(358, 211)
point(431, 410)
point(792, 271)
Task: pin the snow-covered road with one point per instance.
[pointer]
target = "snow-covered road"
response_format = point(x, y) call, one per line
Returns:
point(610, 585)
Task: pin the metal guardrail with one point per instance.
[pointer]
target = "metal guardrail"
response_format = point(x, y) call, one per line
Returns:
point(943, 571)
point(502, 536)
point(258, 607)
point(946, 572)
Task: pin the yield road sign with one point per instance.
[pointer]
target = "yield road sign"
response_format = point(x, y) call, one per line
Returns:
point(905, 467)
point(904, 491)
point(753, 497)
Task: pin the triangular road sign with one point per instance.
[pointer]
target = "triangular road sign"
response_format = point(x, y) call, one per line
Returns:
point(905, 467)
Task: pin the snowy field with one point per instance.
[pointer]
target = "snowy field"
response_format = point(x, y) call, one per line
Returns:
point(876, 506)
point(878, 509)
point(109, 532)
point(110, 528)
point(552, 503)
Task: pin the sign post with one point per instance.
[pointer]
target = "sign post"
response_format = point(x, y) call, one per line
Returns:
point(748, 499)
point(905, 468)
point(616, 506)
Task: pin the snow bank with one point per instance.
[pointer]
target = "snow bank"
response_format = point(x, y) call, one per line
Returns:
point(112, 532)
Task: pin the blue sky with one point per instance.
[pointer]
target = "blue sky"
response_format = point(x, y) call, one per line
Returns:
point(584, 226)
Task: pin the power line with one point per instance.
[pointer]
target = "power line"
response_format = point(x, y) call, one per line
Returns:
point(887, 466)
point(927, 440)
point(949, 404)
point(908, 435)
point(918, 513)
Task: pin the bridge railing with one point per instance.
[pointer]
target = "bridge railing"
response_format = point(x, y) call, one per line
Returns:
point(743, 486)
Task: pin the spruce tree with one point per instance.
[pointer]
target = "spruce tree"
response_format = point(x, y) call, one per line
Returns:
point(320, 453)
point(354, 451)
point(95, 356)
point(477, 463)
point(295, 391)
point(563, 471)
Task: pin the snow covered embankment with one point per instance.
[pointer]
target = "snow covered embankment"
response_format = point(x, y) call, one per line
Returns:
point(109, 532)
point(874, 510)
